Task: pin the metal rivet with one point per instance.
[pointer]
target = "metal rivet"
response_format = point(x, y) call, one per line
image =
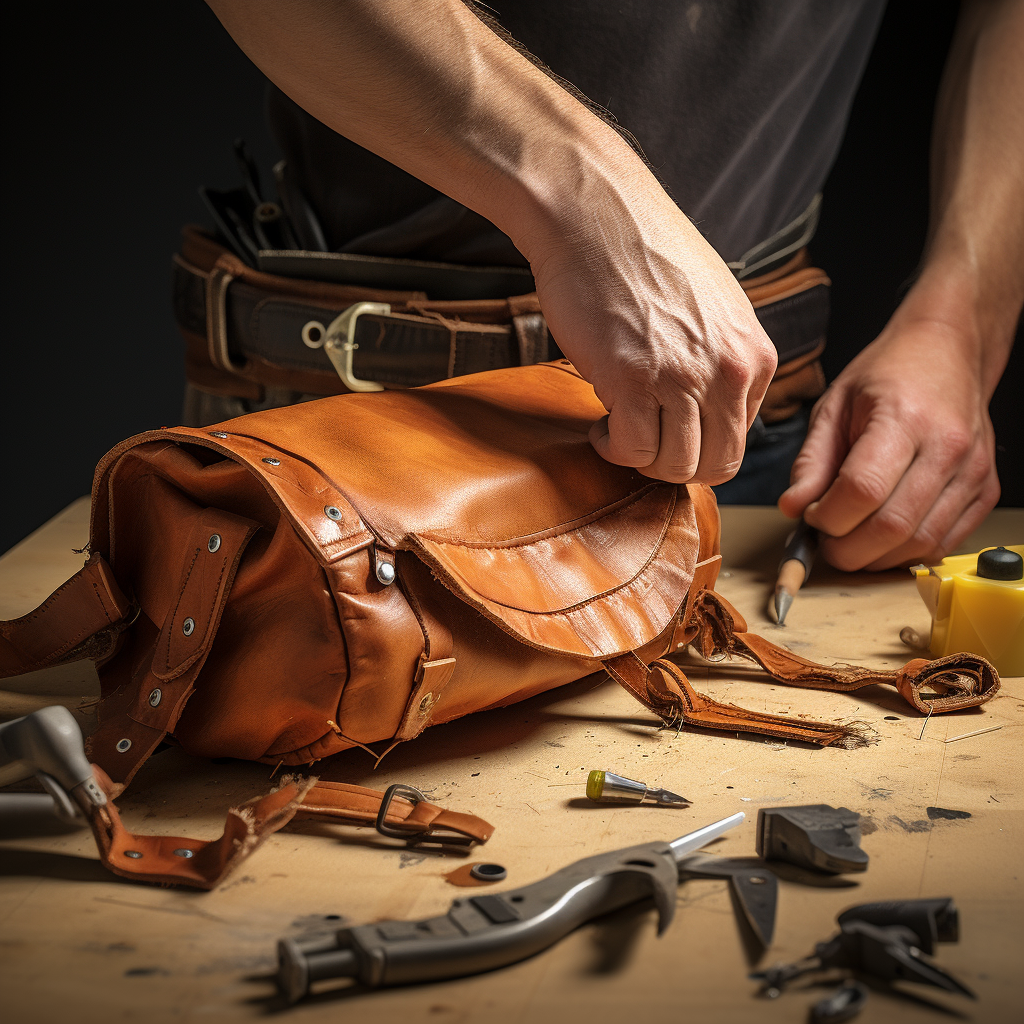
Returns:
point(272, 462)
point(313, 334)
point(184, 853)
point(213, 543)
point(385, 573)
point(217, 433)
point(123, 745)
point(426, 702)
point(155, 697)
point(758, 879)
point(134, 854)
point(188, 626)
point(332, 513)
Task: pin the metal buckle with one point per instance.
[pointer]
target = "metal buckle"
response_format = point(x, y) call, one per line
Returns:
point(414, 795)
point(339, 344)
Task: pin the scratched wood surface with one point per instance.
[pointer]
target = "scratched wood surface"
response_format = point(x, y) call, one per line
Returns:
point(79, 945)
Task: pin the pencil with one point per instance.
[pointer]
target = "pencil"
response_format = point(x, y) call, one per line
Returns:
point(794, 568)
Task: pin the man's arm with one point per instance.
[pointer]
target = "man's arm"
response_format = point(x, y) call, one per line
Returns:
point(899, 463)
point(633, 294)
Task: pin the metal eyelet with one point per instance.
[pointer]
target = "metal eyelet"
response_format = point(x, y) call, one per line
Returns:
point(272, 462)
point(188, 626)
point(123, 745)
point(332, 512)
point(155, 696)
point(134, 854)
point(213, 543)
point(313, 334)
point(217, 433)
point(184, 853)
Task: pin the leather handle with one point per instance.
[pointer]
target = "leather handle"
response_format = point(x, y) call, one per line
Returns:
point(81, 619)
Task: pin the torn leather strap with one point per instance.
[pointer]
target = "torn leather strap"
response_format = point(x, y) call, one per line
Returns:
point(178, 860)
point(948, 684)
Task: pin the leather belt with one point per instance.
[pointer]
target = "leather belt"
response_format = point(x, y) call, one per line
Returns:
point(247, 330)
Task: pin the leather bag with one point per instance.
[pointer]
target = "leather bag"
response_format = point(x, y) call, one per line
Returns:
point(345, 572)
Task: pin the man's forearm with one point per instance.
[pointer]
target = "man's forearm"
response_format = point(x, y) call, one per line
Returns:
point(972, 279)
point(430, 88)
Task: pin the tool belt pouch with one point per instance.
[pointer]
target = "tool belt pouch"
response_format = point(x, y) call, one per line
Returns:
point(260, 337)
point(346, 572)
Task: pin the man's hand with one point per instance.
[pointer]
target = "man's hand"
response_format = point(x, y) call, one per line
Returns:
point(657, 323)
point(898, 465)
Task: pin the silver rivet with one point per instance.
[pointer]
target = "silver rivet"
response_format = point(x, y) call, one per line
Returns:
point(758, 879)
point(217, 433)
point(123, 745)
point(155, 697)
point(272, 462)
point(385, 573)
point(332, 513)
point(213, 543)
point(313, 334)
point(188, 626)
point(184, 853)
point(134, 854)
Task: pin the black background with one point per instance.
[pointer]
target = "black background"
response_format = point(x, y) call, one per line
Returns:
point(117, 112)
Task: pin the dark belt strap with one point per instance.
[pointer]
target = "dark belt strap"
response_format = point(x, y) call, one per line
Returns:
point(244, 326)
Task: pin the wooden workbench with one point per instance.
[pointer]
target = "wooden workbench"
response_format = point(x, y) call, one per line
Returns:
point(82, 946)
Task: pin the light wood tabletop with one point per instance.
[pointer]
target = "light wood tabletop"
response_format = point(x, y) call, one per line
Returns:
point(81, 945)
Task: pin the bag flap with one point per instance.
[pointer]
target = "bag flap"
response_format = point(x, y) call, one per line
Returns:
point(597, 587)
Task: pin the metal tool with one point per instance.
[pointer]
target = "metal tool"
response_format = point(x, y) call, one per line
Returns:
point(932, 921)
point(755, 887)
point(814, 836)
point(844, 1004)
point(794, 568)
point(884, 952)
point(484, 932)
point(605, 787)
point(49, 742)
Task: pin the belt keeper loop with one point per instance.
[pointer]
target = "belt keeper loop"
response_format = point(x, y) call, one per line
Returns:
point(217, 282)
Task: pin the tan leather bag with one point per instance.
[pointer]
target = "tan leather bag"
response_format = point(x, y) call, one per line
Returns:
point(345, 572)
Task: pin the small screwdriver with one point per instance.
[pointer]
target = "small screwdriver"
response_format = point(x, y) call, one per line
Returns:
point(604, 787)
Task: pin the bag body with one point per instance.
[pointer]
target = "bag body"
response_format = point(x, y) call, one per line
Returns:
point(344, 572)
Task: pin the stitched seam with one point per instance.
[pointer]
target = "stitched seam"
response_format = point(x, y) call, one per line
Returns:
point(177, 605)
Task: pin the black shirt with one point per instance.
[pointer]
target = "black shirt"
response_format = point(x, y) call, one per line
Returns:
point(739, 107)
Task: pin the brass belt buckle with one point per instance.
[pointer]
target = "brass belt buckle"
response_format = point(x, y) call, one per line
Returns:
point(340, 343)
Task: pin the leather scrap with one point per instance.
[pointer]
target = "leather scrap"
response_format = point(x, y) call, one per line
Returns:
point(198, 864)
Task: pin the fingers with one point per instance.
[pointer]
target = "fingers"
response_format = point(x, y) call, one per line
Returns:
point(629, 435)
point(681, 444)
point(870, 473)
point(933, 508)
point(818, 461)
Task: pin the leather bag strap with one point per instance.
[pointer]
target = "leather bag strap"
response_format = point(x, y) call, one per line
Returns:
point(178, 860)
point(83, 618)
point(947, 684)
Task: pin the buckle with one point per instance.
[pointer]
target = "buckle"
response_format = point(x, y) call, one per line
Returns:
point(393, 832)
point(339, 344)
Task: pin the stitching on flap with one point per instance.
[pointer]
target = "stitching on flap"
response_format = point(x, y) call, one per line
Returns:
point(568, 609)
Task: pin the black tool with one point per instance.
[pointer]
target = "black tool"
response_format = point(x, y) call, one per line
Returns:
point(483, 932)
point(883, 952)
point(932, 921)
point(814, 836)
point(756, 889)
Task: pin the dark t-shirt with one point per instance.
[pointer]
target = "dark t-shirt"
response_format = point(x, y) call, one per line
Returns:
point(739, 106)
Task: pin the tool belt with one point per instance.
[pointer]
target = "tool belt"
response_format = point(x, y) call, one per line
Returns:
point(267, 339)
point(346, 572)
